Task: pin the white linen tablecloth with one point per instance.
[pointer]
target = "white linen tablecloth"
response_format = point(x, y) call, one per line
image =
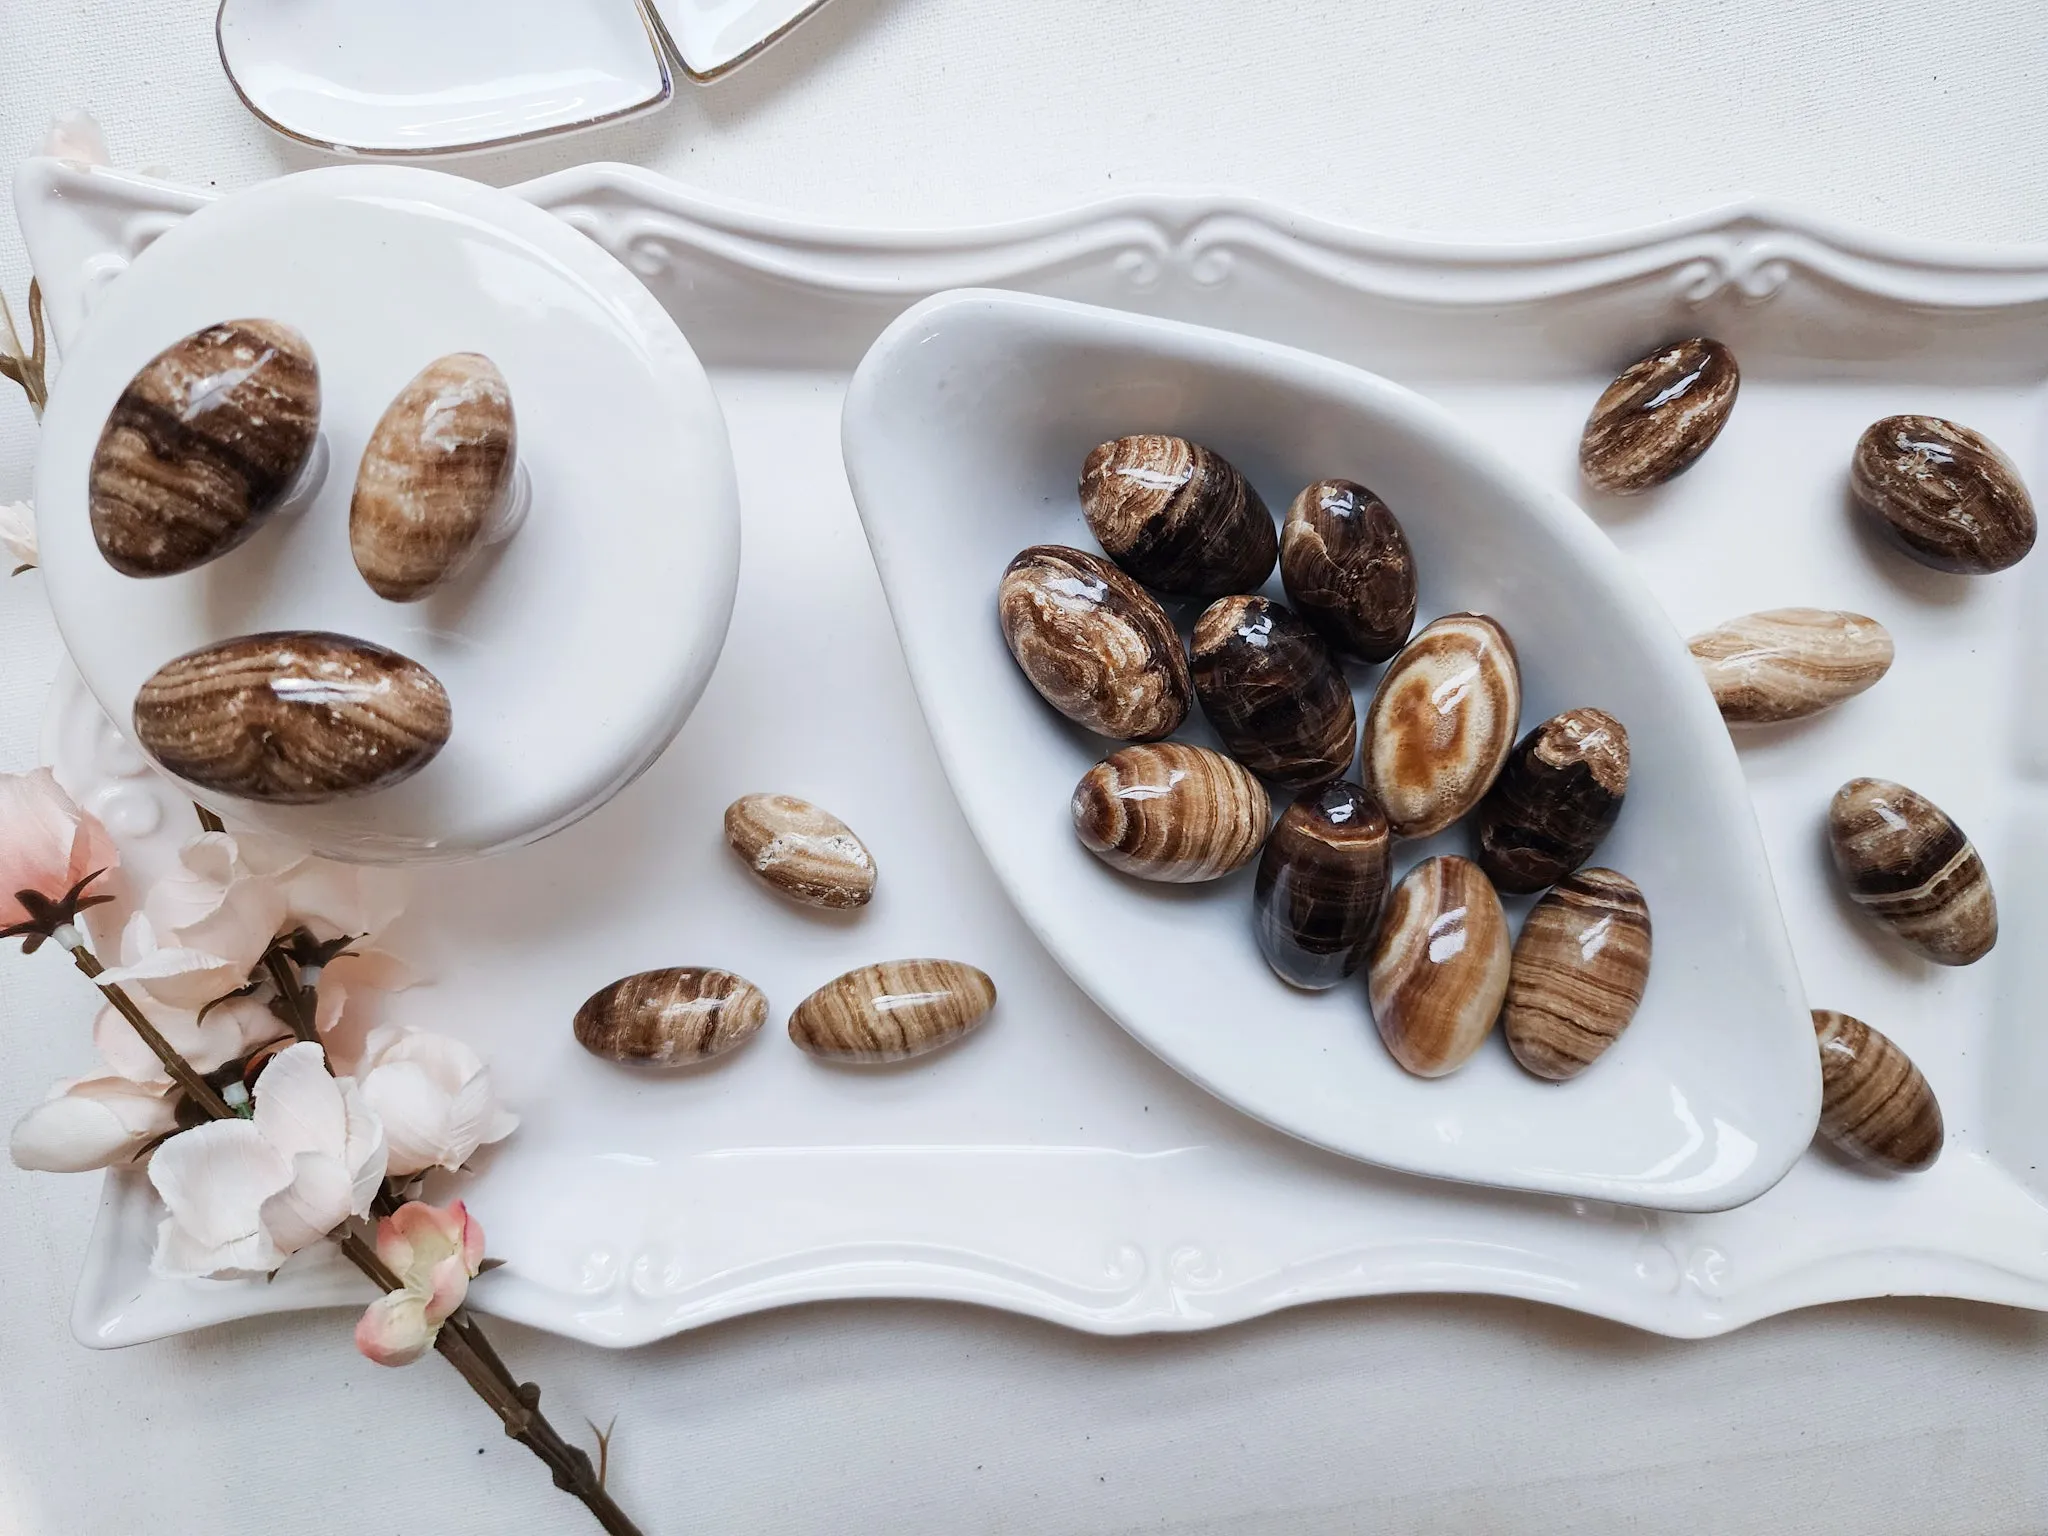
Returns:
point(1453, 117)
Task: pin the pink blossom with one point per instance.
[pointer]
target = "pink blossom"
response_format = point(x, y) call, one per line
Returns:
point(47, 844)
point(92, 1122)
point(434, 1251)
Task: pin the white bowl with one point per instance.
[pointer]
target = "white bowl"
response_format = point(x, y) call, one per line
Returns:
point(964, 431)
point(573, 652)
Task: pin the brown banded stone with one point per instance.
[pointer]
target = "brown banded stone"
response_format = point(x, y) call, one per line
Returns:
point(1095, 644)
point(1442, 722)
point(1557, 796)
point(1178, 516)
point(1348, 569)
point(670, 1017)
point(1910, 867)
point(1874, 1105)
point(1661, 414)
point(1580, 967)
point(1788, 663)
point(1321, 884)
point(1268, 685)
point(892, 1011)
point(1440, 968)
point(1169, 811)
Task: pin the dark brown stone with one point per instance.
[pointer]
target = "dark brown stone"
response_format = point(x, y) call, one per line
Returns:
point(1178, 517)
point(1348, 569)
point(1268, 685)
point(1321, 884)
point(1557, 796)
point(1660, 415)
point(1942, 493)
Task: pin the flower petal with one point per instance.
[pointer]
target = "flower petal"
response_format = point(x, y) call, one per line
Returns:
point(394, 1329)
point(298, 1106)
point(332, 900)
point(447, 1284)
point(366, 1154)
point(18, 533)
point(311, 1206)
point(92, 1124)
point(414, 1113)
point(214, 1181)
point(46, 841)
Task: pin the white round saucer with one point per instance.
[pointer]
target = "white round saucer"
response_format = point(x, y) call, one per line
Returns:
point(571, 653)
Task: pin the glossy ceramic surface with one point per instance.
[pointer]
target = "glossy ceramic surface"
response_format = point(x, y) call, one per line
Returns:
point(571, 653)
point(1049, 1164)
point(712, 37)
point(395, 77)
point(985, 400)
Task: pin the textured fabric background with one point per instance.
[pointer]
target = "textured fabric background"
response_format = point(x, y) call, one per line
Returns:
point(1446, 116)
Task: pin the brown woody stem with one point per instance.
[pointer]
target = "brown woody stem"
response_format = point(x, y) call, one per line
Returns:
point(196, 1087)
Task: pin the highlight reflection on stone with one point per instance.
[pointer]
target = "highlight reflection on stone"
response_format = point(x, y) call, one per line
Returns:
point(1268, 685)
point(1348, 569)
point(670, 1017)
point(1169, 811)
point(1943, 494)
point(1440, 969)
point(1442, 722)
point(1660, 415)
point(1321, 884)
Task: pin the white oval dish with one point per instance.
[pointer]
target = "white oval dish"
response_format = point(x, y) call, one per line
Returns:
point(964, 431)
point(393, 77)
point(573, 652)
point(715, 37)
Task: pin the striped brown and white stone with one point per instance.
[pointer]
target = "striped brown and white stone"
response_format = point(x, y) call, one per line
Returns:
point(1874, 1105)
point(1172, 812)
point(671, 1017)
point(1440, 969)
point(1442, 722)
point(1559, 794)
point(1661, 414)
point(1908, 865)
point(292, 717)
point(1348, 570)
point(1095, 644)
point(1943, 494)
point(202, 446)
point(1788, 663)
point(802, 851)
point(1321, 885)
point(892, 1011)
point(1269, 685)
point(1580, 967)
point(1178, 516)
point(435, 483)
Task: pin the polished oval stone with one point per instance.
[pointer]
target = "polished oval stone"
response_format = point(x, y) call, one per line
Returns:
point(1874, 1105)
point(1557, 796)
point(1321, 884)
point(1580, 967)
point(1910, 867)
point(892, 1011)
point(1440, 969)
point(1788, 663)
point(435, 479)
point(1268, 685)
point(1661, 414)
point(1169, 811)
point(1943, 494)
point(292, 717)
point(803, 852)
point(1442, 723)
point(1178, 516)
point(202, 446)
point(1348, 570)
point(670, 1017)
point(1095, 644)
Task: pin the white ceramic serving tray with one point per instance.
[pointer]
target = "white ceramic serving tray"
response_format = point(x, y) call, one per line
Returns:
point(1049, 1164)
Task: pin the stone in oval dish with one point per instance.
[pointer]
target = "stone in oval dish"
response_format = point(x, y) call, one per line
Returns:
point(1348, 569)
point(1321, 884)
point(804, 852)
point(1442, 722)
point(1095, 644)
point(1440, 969)
point(1558, 795)
point(1169, 811)
point(1178, 516)
point(892, 1011)
point(1579, 970)
point(1268, 685)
